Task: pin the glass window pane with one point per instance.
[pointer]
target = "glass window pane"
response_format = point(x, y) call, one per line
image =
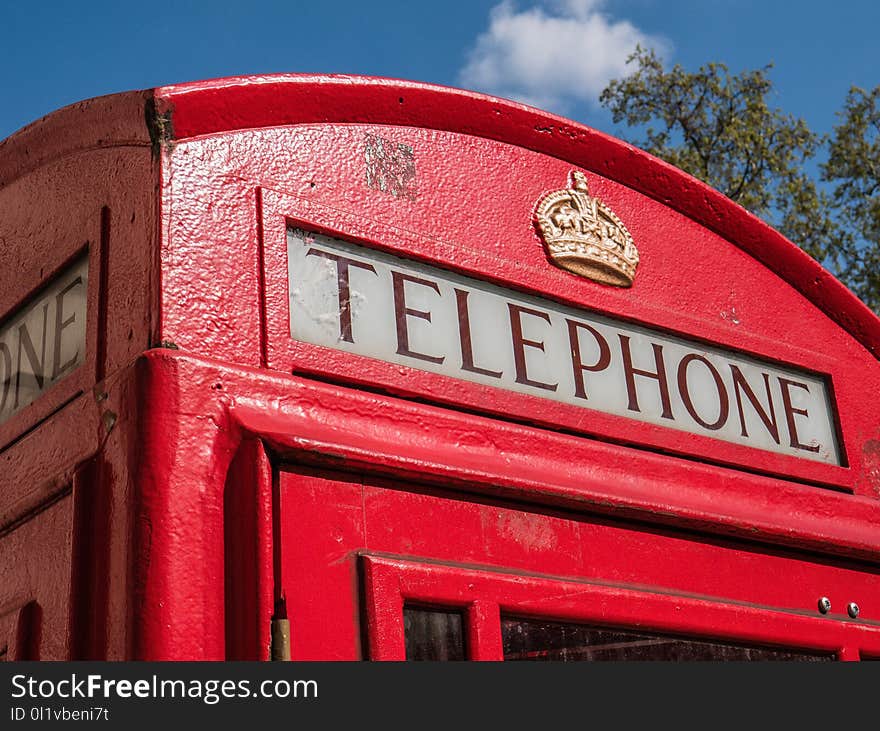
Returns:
point(433, 634)
point(535, 639)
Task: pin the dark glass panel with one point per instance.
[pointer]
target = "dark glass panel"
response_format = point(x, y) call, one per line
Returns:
point(433, 634)
point(535, 639)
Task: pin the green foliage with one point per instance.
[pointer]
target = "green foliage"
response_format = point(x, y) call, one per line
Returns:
point(719, 127)
point(853, 167)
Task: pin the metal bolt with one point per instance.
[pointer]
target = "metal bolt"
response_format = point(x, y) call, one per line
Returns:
point(824, 605)
point(852, 609)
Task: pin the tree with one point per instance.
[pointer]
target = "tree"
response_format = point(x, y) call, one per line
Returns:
point(853, 167)
point(719, 127)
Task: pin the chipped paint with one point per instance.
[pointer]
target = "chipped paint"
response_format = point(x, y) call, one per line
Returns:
point(871, 466)
point(390, 167)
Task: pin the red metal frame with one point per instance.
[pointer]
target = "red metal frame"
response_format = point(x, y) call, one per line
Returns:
point(141, 487)
point(342, 426)
point(206, 108)
point(36, 586)
point(181, 499)
point(485, 594)
point(279, 211)
point(20, 632)
point(84, 377)
point(329, 519)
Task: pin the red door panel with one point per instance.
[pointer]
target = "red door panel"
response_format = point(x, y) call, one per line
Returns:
point(488, 598)
point(354, 550)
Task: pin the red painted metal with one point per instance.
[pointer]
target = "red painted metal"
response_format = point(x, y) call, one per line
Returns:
point(202, 468)
point(391, 581)
point(525, 268)
point(214, 107)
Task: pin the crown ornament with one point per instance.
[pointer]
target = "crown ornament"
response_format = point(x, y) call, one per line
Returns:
point(584, 236)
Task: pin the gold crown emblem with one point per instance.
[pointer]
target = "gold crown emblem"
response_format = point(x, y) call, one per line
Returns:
point(584, 236)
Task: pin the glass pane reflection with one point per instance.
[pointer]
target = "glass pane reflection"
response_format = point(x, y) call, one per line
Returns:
point(535, 639)
point(433, 634)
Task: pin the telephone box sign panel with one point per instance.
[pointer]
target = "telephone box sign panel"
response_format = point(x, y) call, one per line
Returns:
point(43, 341)
point(359, 300)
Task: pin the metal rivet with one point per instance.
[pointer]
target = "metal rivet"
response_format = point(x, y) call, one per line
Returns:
point(824, 605)
point(852, 609)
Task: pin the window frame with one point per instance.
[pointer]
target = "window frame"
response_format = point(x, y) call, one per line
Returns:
point(483, 594)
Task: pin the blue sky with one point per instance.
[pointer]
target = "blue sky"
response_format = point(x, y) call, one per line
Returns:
point(555, 53)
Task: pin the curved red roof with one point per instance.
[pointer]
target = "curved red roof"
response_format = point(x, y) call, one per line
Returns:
point(189, 110)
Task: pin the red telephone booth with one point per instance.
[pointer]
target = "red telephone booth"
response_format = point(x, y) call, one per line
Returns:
point(427, 374)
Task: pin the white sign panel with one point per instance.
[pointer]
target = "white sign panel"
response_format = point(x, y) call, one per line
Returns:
point(44, 341)
point(362, 301)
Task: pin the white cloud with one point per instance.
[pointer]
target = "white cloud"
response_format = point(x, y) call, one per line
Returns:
point(553, 54)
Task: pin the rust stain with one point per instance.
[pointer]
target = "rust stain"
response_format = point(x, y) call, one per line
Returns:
point(159, 126)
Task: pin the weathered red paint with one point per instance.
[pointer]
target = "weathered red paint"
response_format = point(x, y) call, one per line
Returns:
point(201, 464)
point(487, 593)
